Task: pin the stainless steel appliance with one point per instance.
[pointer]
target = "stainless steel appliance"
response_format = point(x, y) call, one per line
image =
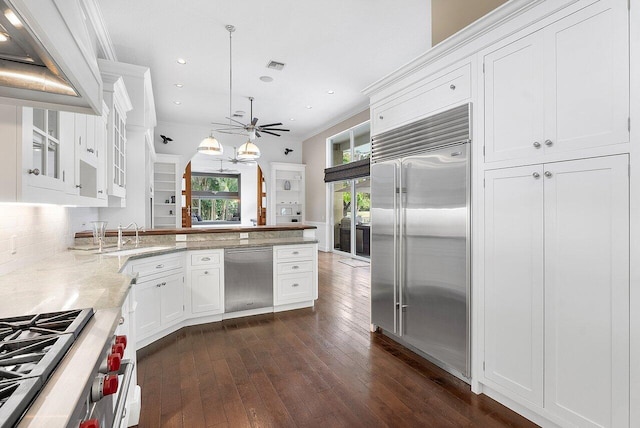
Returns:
point(420, 246)
point(31, 349)
point(248, 278)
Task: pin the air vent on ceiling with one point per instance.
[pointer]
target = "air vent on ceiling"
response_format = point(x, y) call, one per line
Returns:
point(275, 65)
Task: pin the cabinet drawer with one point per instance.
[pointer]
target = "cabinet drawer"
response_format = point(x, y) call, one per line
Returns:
point(299, 253)
point(156, 265)
point(294, 288)
point(294, 267)
point(206, 258)
point(419, 100)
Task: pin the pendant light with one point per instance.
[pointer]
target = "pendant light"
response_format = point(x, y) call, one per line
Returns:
point(248, 151)
point(210, 146)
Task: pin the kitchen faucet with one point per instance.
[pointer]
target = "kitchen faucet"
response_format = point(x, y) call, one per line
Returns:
point(120, 229)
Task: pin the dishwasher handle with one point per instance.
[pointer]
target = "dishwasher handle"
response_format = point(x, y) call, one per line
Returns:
point(248, 250)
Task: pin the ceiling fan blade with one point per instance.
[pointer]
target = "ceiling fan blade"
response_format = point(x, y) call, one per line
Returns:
point(254, 121)
point(275, 129)
point(226, 124)
point(223, 131)
point(258, 134)
point(272, 133)
point(236, 121)
point(268, 125)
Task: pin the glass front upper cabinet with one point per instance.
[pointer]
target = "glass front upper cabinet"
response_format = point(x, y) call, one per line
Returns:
point(46, 143)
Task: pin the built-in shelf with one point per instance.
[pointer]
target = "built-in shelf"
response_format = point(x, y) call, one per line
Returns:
point(167, 187)
point(287, 193)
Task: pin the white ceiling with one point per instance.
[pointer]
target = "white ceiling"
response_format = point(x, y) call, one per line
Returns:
point(339, 45)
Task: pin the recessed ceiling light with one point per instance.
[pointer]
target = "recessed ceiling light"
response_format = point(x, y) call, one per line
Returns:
point(309, 107)
point(182, 61)
point(240, 112)
point(266, 79)
point(4, 37)
point(177, 102)
point(179, 85)
point(331, 92)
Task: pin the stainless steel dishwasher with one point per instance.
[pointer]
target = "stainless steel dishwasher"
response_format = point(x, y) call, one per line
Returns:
point(248, 278)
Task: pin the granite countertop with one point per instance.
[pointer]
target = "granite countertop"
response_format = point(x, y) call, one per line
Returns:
point(86, 279)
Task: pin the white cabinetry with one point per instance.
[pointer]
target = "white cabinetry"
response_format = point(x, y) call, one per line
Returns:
point(118, 102)
point(206, 279)
point(167, 204)
point(287, 194)
point(37, 154)
point(561, 89)
point(295, 276)
point(440, 91)
point(557, 288)
point(159, 295)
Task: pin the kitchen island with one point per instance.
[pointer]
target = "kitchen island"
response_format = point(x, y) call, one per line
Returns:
point(112, 283)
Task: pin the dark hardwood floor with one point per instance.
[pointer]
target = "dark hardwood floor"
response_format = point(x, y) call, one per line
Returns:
point(307, 368)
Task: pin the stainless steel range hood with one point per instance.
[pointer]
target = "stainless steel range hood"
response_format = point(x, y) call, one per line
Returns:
point(45, 56)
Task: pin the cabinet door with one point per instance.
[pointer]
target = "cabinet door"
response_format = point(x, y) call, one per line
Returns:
point(587, 78)
point(514, 270)
point(294, 288)
point(513, 100)
point(206, 290)
point(148, 308)
point(587, 291)
point(172, 302)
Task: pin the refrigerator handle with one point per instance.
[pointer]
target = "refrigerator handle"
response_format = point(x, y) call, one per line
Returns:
point(396, 280)
point(400, 192)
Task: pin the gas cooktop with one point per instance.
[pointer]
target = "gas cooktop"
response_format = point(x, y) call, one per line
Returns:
point(30, 349)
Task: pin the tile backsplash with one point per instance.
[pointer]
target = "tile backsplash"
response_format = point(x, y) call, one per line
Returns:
point(38, 231)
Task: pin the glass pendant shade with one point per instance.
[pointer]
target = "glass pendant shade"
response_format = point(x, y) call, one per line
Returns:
point(210, 146)
point(248, 151)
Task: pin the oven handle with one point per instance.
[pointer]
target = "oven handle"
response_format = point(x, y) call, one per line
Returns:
point(126, 368)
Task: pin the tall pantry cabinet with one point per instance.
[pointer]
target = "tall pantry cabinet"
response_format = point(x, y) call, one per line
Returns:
point(556, 218)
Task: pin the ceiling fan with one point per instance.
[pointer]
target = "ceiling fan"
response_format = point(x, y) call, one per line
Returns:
point(225, 170)
point(252, 128)
point(235, 160)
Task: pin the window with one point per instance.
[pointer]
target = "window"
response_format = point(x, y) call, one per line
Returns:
point(215, 198)
point(348, 174)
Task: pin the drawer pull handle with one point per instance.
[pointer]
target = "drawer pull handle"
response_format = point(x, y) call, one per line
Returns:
point(91, 150)
point(161, 284)
point(381, 117)
point(160, 266)
point(548, 143)
point(121, 320)
point(452, 87)
point(206, 272)
point(295, 284)
point(205, 259)
point(295, 267)
point(295, 253)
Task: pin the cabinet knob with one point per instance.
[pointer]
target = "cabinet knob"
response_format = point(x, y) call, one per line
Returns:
point(91, 150)
point(100, 191)
point(548, 174)
point(206, 272)
point(159, 266)
point(79, 186)
point(452, 87)
point(34, 171)
point(548, 143)
point(536, 175)
point(381, 117)
point(536, 144)
point(121, 320)
point(295, 267)
point(295, 252)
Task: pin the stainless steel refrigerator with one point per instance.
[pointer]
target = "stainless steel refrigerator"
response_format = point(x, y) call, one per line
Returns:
point(420, 242)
